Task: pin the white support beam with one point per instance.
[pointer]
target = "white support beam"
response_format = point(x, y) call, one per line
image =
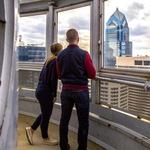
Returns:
point(49, 28)
point(95, 31)
point(2, 30)
point(8, 88)
point(95, 38)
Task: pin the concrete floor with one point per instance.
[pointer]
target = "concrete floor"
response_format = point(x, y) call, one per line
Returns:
point(53, 129)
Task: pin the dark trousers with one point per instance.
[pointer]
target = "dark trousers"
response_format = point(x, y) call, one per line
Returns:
point(46, 105)
point(81, 101)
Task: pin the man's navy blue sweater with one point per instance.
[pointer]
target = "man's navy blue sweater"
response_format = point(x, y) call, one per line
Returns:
point(74, 67)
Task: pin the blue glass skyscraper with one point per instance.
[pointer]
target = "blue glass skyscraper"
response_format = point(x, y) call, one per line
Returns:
point(117, 42)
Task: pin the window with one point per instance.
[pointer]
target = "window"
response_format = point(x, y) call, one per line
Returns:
point(147, 63)
point(78, 18)
point(31, 40)
point(126, 34)
point(138, 62)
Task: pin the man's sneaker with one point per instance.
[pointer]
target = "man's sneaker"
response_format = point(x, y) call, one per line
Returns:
point(50, 141)
point(29, 135)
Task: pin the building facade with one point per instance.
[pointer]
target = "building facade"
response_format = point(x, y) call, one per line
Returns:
point(114, 94)
point(139, 62)
point(31, 53)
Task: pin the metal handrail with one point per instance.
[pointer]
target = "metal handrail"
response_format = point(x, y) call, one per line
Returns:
point(145, 85)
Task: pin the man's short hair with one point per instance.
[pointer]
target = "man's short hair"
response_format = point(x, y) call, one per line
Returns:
point(72, 35)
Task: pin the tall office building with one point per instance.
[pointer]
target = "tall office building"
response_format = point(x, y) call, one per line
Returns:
point(117, 38)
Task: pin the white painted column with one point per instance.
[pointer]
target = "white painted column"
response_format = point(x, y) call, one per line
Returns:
point(2, 30)
point(49, 28)
point(8, 88)
point(95, 27)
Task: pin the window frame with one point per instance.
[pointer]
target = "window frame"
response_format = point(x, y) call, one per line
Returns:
point(57, 10)
point(140, 75)
point(26, 64)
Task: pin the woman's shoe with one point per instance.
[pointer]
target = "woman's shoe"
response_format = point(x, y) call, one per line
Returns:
point(50, 141)
point(29, 135)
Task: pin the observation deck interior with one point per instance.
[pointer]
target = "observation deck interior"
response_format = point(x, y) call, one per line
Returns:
point(120, 94)
point(53, 129)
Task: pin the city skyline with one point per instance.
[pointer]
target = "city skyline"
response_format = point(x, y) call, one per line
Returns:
point(137, 13)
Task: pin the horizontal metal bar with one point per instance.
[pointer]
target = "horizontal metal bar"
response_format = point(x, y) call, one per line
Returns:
point(132, 83)
point(128, 72)
point(38, 6)
point(33, 7)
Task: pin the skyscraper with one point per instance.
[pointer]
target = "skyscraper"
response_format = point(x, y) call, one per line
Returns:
point(117, 38)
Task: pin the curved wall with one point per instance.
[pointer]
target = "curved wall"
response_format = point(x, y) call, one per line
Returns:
point(8, 94)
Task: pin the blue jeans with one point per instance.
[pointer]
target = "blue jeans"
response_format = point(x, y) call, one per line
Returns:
point(81, 102)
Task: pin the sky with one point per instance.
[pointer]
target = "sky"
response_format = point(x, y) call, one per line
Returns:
point(137, 12)
point(33, 29)
point(79, 19)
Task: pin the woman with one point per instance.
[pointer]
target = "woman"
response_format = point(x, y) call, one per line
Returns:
point(46, 93)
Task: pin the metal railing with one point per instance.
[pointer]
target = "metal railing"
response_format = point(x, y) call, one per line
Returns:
point(145, 85)
point(130, 96)
point(127, 96)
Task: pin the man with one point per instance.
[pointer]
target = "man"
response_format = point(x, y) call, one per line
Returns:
point(74, 67)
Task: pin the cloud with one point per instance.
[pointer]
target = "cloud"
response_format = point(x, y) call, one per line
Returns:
point(62, 32)
point(80, 23)
point(146, 15)
point(133, 10)
point(139, 30)
point(33, 29)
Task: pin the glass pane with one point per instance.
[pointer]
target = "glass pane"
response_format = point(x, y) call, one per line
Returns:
point(132, 99)
point(31, 40)
point(28, 79)
point(78, 18)
point(126, 40)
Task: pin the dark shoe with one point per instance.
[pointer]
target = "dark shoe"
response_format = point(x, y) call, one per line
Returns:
point(68, 148)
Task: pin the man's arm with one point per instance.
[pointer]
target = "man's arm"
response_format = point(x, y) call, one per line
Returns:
point(90, 69)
